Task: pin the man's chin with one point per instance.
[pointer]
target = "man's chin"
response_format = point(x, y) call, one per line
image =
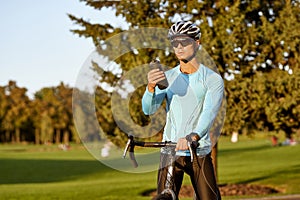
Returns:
point(181, 57)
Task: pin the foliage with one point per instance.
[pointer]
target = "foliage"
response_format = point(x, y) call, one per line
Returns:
point(248, 40)
point(16, 111)
point(39, 120)
point(254, 44)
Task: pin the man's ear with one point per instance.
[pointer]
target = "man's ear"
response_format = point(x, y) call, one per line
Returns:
point(197, 44)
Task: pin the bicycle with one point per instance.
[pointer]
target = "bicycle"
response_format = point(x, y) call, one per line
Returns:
point(167, 193)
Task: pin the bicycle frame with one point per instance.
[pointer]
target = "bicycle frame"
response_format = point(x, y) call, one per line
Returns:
point(131, 143)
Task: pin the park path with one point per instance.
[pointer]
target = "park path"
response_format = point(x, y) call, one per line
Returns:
point(285, 197)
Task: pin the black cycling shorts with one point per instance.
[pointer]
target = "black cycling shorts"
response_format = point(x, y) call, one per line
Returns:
point(201, 172)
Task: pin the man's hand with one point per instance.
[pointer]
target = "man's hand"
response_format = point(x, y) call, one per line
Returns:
point(181, 144)
point(154, 76)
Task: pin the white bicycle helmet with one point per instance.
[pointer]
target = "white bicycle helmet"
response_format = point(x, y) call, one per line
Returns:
point(184, 28)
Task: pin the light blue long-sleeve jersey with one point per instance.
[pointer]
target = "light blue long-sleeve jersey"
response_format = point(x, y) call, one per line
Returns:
point(192, 103)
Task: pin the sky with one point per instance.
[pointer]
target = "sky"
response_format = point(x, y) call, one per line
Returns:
point(37, 48)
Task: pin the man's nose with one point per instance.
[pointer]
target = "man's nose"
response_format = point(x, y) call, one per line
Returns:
point(179, 46)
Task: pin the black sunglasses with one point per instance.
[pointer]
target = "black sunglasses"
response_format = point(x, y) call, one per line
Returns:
point(184, 42)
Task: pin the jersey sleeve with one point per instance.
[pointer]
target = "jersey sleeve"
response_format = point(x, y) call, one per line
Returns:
point(212, 102)
point(152, 101)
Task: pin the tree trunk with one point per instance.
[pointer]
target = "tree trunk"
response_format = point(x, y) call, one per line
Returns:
point(7, 136)
point(17, 134)
point(37, 136)
point(66, 137)
point(2, 137)
point(214, 159)
point(57, 136)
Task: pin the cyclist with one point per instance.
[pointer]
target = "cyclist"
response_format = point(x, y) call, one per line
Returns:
point(193, 98)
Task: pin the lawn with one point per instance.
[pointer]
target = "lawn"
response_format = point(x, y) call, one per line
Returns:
point(45, 172)
point(255, 161)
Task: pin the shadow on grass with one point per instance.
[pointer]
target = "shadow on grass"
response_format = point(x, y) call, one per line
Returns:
point(13, 171)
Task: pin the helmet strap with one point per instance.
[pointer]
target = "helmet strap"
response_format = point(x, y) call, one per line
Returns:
point(192, 56)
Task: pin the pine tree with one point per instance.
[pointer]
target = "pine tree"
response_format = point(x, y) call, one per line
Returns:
point(247, 40)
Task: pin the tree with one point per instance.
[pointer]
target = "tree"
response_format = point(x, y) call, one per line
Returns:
point(63, 118)
point(55, 113)
point(84, 116)
point(44, 108)
point(243, 37)
point(282, 107)
point(3, 110)
point(18, 111)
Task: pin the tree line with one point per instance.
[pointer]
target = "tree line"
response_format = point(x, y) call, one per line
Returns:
point(47, 118)
point(267, 102)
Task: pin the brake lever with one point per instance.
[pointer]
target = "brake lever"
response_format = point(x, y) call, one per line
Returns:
point(132, 156)
point(192, 142)
point(127, 147)
point(130, 145)
point(191, 151)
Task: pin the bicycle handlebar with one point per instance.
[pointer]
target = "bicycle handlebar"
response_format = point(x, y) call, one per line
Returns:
point(131, 143)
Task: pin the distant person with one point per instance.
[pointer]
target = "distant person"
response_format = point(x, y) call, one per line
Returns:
point(105, 150)
point(235, 137)
point(274, 140)
point(289, 141)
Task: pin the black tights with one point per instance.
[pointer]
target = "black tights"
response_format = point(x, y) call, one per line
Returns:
point(201, 173)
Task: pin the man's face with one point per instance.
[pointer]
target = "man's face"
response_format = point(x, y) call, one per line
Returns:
point(183, 47)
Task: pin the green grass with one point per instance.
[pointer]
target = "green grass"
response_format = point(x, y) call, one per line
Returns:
point(29, 172)
point(44, 172)
point(255, 161)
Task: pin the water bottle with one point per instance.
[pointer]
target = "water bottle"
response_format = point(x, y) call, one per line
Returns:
point(163, 84)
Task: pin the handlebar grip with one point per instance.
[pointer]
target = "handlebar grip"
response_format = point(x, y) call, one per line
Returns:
point(131, 154)
point(133, 160)
point(192, 140)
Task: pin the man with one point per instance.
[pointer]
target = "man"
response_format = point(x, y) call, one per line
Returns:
point(193, 99)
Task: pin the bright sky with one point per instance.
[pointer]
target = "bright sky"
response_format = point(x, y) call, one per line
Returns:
point(37, 48)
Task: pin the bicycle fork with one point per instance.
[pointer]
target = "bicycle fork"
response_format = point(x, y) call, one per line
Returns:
point(169, 184)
